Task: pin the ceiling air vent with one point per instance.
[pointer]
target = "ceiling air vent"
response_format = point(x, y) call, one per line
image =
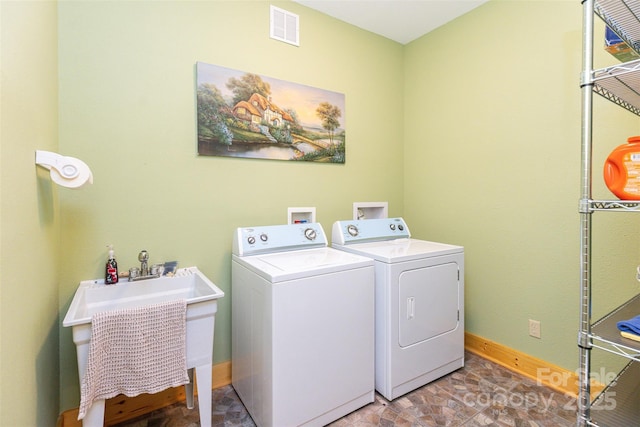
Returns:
point(285, 26)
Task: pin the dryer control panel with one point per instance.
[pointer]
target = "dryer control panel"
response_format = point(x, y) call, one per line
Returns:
point(369, 230)
point(277, 238)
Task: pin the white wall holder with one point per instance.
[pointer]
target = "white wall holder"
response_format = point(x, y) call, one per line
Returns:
point(301, 215)
point(65, 171)
point(370, 210)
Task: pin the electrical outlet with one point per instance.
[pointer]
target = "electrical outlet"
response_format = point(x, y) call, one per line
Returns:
point(534, 328)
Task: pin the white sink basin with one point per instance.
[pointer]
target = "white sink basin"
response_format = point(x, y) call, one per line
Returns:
point(93, 296)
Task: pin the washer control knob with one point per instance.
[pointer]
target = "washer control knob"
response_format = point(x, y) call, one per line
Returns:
point(264, 237)
point(400, 227)
point(392, 226)
point(310, 234)
point(251, 240)
point(353, 230)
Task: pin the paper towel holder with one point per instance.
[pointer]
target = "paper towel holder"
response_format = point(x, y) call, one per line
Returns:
point(65, 171)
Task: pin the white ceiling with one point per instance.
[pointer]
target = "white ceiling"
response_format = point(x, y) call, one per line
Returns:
point(399, 20)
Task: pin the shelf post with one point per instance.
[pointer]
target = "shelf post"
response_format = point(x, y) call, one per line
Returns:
point(584, 334)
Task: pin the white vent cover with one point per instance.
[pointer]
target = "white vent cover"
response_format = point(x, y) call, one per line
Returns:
point(285, 26)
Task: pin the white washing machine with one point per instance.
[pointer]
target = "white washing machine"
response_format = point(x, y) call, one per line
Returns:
point(302, 326)
point(419, 302)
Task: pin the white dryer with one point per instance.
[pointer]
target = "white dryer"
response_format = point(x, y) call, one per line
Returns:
point(419, 302)
point(302, 326)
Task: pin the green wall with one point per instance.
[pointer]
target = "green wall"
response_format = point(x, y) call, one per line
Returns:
point(496, 168)
point(471, 132)
point(29, 216)
point(127, 108)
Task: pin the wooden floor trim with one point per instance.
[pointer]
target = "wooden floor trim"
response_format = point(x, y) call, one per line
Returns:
point(548, 374)
point(122, 408)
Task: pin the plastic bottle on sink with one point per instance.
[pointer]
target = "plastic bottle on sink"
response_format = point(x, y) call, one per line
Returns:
point(111, 269)
point(622, 170)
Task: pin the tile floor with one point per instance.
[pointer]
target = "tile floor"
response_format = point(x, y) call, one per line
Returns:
point(480, 394)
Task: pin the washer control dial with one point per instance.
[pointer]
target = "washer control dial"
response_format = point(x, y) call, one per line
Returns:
point(264, 237)
point(251, 240)
point(392, 226)
point(353, 230)
point(310, 234)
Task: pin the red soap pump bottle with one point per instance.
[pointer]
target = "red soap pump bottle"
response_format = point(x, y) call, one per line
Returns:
point(111, 269)
point(622, 170)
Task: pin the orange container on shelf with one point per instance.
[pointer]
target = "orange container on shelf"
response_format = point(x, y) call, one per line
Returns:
point(622, 170)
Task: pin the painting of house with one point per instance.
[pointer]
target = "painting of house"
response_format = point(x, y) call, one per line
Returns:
point(247, 115)
point(258, 109)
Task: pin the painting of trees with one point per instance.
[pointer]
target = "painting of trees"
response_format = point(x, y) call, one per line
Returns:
point(329, 115)
point(246, 86)
point(211, 112)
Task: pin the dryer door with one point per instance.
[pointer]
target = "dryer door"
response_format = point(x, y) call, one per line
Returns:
point(428, 302)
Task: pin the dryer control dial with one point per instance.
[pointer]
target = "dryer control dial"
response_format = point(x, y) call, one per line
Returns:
point(264, 237)
point(310, 234)
point(251, 240)
point(352, 230)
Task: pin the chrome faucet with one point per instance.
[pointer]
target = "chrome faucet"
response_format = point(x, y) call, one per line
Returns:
point(143, 257)
point(144, 272)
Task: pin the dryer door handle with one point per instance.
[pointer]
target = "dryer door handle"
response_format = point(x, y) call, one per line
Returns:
point(411, 307)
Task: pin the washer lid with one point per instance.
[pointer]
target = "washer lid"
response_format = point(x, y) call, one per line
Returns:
point(282, 266)
point(399, 250)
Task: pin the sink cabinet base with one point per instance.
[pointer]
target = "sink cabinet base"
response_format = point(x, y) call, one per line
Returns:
point(95, 414)
point(199, 342)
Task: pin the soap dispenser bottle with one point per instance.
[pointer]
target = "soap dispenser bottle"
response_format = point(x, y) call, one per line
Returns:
point(111, 269)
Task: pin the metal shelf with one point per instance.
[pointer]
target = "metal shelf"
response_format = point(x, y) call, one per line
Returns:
point(622, 16)
point(620, 84)
point(619, 403)
point(614, 205)
point(606, 336)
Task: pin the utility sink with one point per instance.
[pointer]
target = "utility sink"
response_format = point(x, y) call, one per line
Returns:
point(93, 296)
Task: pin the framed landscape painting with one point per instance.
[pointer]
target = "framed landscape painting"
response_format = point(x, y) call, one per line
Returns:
point(241, 114)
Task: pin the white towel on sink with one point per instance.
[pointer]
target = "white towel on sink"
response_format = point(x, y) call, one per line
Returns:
point(134, 351)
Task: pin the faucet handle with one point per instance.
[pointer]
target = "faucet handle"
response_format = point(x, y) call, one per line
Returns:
point(143, 256)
